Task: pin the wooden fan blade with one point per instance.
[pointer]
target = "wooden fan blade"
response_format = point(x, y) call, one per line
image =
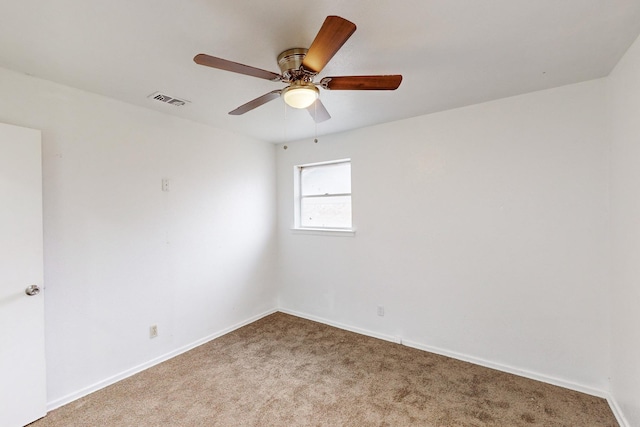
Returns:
point(256, 103)
point(390, 82)
point(335, 31)
point(318, 112)
point(223, 64)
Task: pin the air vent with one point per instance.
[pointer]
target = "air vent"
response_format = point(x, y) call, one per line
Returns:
point(158, 96)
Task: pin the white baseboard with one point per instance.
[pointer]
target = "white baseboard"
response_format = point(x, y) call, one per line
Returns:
point(618, 412)
point(341, 326)
point(508, 369)
point(129, 372)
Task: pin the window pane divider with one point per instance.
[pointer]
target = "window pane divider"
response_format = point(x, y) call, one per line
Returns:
point(328, 195)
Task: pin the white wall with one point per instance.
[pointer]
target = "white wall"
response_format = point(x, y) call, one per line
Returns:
point(624, 84)
point(120, 254)
point(482, 231)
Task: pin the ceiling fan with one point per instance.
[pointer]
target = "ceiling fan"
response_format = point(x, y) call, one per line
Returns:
point(300, 66)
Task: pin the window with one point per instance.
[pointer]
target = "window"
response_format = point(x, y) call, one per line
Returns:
point(323, 195)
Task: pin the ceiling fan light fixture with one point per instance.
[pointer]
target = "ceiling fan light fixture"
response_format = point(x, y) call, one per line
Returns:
point(300, 95)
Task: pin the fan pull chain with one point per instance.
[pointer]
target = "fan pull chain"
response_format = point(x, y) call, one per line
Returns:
point(315, 121)
point(284, 138)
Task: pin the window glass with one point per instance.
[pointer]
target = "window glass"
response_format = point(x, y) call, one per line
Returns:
point(326, 212)
point(334, 178)
point(324, 198)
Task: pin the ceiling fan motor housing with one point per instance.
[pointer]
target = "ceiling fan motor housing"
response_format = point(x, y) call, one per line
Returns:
point(290, 63)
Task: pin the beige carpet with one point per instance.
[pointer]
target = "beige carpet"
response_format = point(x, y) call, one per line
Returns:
point(287, 371)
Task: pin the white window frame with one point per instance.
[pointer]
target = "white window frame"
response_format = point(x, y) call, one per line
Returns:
point(298, 197)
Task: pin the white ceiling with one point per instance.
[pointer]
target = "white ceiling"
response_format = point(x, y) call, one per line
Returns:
point(450, 52)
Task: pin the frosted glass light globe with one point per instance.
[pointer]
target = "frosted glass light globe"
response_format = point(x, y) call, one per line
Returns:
point(300, 95)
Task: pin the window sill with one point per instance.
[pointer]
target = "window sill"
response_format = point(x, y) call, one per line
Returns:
point(325, 232)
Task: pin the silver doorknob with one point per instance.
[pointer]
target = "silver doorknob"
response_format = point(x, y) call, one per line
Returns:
point(32, 290)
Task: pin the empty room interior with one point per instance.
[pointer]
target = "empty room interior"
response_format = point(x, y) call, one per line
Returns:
point(493, 211)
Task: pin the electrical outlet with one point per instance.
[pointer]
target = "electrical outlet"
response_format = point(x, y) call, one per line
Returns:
point(153, 331)
point(380, 310)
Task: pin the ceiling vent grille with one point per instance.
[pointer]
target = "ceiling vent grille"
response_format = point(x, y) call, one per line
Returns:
point(159, 96)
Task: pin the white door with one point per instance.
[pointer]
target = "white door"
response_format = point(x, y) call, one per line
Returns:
point(22, 362)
